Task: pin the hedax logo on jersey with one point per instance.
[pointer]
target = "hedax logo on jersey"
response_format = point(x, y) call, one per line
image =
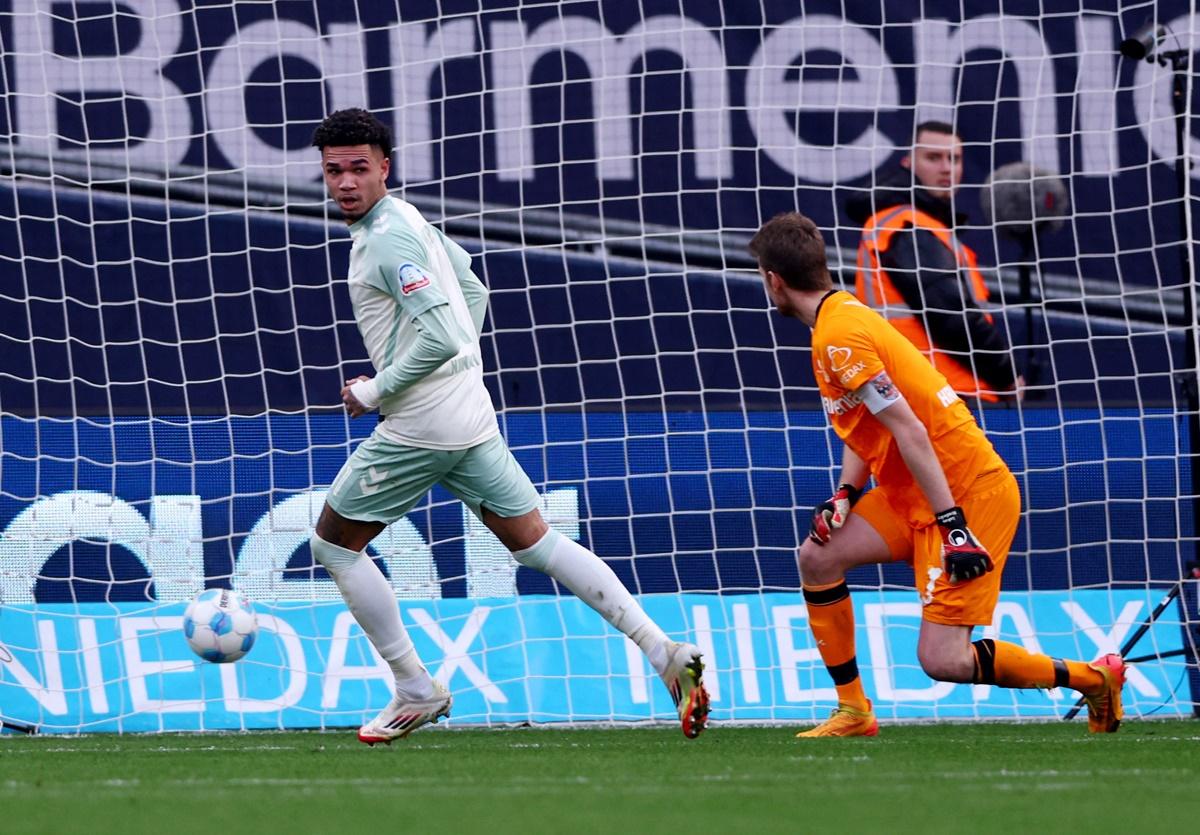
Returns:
point(839, 358)
point(839, 362)
point(92, 667)
point(412, 279)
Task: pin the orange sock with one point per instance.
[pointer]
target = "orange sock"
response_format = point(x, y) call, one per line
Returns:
point(832, 620)
point(1011, 665)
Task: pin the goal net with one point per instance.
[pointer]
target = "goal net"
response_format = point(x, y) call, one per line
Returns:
point(175, 330)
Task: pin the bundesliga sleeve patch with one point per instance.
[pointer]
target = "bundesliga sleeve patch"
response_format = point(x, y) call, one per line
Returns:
point(879, 392)
point(412, 279)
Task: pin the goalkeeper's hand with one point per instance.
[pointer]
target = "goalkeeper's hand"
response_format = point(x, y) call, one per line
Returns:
point(962, 555)
point(831, 514)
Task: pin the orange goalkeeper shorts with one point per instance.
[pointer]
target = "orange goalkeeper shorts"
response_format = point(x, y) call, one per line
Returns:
point(992, 508)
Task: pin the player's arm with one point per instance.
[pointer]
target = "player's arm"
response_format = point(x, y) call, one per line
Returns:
point(962, 555)
point(404, 275)
point(473, 290)
point(476, 296)
point(436, 344)
point(915, 447)
point(831, 514)
point(854, 470)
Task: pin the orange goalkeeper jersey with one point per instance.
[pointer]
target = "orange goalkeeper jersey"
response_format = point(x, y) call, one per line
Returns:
point(851, 344)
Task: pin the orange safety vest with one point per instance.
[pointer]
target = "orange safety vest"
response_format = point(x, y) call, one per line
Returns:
point(874, 288)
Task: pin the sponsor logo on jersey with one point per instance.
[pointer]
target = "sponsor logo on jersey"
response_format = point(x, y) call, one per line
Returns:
point(946, 396)
point(459, 364)
point(843, 404)
point(412, 279)
point(852, 372)
point(839, 358)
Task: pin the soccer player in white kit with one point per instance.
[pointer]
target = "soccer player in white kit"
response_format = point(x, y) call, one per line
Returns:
point(420, 310)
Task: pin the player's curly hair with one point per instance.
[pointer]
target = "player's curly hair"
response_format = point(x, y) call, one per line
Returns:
point(353, 126)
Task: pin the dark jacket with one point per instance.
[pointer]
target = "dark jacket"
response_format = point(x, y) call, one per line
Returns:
point(926, 274)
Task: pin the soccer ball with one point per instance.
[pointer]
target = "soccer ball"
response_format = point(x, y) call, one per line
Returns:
point(220, 625)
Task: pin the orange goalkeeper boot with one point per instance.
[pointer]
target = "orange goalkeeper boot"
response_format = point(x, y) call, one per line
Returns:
point(845, 721)
point(1104, 706)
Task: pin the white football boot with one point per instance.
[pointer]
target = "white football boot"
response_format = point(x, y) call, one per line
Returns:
point(403, 715)
point(683, 679)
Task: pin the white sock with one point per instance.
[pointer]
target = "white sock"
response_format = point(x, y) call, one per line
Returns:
point(370, 599)
point(593, 582)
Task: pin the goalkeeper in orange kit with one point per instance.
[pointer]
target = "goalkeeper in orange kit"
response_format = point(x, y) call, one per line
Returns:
point(934, 470)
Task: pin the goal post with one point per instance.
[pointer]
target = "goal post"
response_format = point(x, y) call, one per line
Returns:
point(175, 329)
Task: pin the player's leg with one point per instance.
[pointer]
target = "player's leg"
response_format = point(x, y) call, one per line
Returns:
point(491, 482)
point(950, 612)
point(378, 484)
point(535, 544)
point(946, 653)
point(871, 534)
point(339, 545)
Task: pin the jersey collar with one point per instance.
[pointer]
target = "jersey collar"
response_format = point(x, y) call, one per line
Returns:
point(820, 304)
point(367, 219)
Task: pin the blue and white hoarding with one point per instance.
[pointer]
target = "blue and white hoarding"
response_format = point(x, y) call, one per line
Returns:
point(126, 667)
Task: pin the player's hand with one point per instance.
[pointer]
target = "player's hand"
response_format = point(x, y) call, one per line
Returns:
point(831, 514)
point(351, 402)
point(962, 555)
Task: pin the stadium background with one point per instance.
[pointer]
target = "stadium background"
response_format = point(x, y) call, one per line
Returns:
point(170, 325)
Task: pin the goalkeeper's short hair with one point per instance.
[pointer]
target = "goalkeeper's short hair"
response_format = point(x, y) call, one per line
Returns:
point(353, 126)
point(791, 245)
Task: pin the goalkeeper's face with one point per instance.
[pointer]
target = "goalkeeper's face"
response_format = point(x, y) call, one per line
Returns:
point(356, 176)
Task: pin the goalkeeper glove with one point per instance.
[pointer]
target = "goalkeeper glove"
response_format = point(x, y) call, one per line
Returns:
point(962, 555)
point(831, 513)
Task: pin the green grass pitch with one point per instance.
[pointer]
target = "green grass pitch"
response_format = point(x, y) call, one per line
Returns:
point(969, 778)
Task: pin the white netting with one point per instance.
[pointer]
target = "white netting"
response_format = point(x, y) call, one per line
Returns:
point(174, 331)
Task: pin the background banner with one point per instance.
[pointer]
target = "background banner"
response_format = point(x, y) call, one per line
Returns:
point(126, 667)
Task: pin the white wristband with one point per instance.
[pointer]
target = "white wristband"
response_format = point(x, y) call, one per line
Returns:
point(367, 393)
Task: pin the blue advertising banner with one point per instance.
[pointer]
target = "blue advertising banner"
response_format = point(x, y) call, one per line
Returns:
point(144, 509)
point(688, 114)
point(608, 105)
point(169, 370)
point(126, 667)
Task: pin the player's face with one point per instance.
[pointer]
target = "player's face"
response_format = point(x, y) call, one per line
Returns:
point(774, 287)
point(936, 163)
point(356, 176)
